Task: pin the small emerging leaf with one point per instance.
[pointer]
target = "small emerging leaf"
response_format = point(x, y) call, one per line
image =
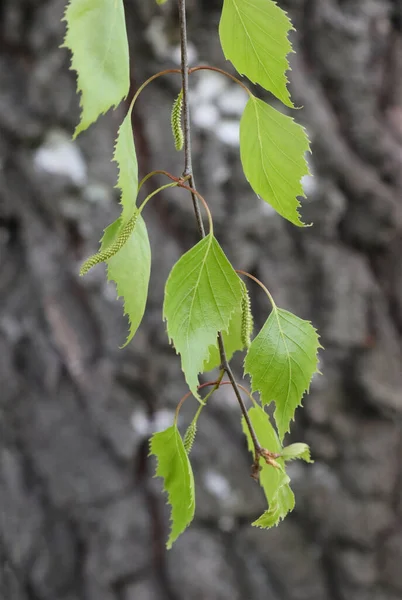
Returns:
point(202, 293)
point(130, 268)
point(274, 481)
point(279, 508)
point(175, 468)
point(272, 150)
point(298, 450)
point(254, 37)
point(281, 362)
point(97, 37)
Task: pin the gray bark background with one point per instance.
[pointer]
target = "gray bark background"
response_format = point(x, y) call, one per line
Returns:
point(81, 516)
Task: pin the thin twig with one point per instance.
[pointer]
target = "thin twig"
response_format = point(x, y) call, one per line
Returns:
point(188, 167)
point(188, 171)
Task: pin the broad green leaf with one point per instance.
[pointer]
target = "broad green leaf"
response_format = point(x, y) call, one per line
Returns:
point(281, 362)
point(272, 149)
point(274, 481)
point(175, 468)
point(130, 268)
point(97, 37)
point(297, 450)
point(202, 293)
point(254, 37)
point(126, 159)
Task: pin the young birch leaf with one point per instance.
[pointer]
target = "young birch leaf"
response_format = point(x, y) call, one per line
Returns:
point(254, 37)
point(126, 159)
point(175, 468)
point(279, 508)
point(274, 481)
point(130, 269)
point(202, 292)
point(272, 150)
point(281, 362)
point(297, 450)
point(96, 35)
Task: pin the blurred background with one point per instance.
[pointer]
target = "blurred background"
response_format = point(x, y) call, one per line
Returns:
point(81, 517)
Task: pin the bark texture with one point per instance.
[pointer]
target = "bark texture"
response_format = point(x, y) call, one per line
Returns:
point(81, 517)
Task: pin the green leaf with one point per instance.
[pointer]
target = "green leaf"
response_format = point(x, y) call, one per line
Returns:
point(254, 37)
point(272, 149)
point(126, 159)
point(175, 468)
point(97, 37)
point(202, 293)
point(281, 362)
point(130, 268)
point(274, 481)
point(280, 507)
point(297, 450)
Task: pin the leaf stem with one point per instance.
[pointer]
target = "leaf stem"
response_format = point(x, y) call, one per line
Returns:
point(216, 383)
point(244, 389)
point(272, 301)
point(152, 194)
point(144, 85)
point(217, 70)
point(188, 171)
point(198, 195)
point(151, 174)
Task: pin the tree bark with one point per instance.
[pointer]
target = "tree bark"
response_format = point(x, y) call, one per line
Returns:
point(81, 516)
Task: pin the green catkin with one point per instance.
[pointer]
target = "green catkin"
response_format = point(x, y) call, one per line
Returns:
point(176, 122)
point(189, 437)
point(246, 319)
point(104, 255)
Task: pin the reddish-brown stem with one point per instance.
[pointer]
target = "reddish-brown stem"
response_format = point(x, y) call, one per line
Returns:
point(262, 286)
point(144, 85)
point(222, 72)
point(200, 387)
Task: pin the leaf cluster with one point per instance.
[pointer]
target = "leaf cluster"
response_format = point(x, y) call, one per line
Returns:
point(204, 295)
